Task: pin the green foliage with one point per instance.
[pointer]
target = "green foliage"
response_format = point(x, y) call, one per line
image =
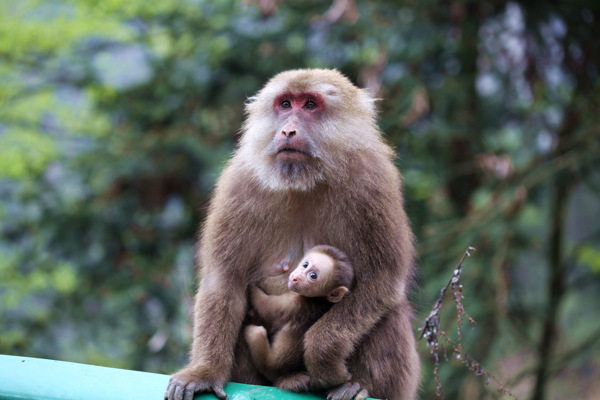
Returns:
point(117, 116)
point(33, 28)
point(589, 257)
point(24, 153)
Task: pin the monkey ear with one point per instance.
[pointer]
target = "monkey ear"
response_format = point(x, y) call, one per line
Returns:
point(336, 294)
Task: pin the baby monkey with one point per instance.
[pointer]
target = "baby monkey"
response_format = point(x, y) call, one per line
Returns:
point(322, 278)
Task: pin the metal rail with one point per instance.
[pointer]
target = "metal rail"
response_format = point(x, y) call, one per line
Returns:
point(23, 378)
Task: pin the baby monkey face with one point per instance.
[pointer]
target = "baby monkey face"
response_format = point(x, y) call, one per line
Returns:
point(312, 276)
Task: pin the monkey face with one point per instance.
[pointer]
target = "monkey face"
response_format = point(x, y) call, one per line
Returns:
point(302, 128)
point(295, 143)
point(312, 276)
point(296, 115)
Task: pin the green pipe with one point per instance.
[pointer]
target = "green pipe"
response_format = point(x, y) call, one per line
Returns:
point(23, 378)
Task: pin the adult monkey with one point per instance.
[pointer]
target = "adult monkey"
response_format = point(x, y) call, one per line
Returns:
point(311, 168)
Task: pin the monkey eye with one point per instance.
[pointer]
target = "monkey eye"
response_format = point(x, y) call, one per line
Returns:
point(286, 104)
point(313, 275)
point(305, 264)
point(310, 104)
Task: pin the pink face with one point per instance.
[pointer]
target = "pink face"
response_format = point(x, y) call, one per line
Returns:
point(310, 278)
point(296, 114)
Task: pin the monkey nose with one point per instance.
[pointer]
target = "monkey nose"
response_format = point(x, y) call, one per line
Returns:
point(288, 133)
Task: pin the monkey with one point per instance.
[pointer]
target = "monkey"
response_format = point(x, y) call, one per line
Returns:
point(321, 279)
point(310, 167)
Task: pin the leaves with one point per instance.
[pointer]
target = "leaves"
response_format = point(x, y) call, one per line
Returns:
point(589, 256)
point(25, 154)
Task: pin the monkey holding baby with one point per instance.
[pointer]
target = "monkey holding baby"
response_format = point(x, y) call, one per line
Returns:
point(311, 168)
point(321, 279)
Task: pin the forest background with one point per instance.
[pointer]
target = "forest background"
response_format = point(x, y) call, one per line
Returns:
point(117, 116)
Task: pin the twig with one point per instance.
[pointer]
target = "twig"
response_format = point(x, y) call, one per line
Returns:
point(431, 332)
point(432, 322)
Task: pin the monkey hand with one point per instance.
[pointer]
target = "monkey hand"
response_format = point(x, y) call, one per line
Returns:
point(256, 292)
point(325, 363)
point(348, 391)
point(191, 380)
point(328, 376)
point(298, 382)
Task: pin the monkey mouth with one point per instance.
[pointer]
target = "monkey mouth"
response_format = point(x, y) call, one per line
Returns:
point(293, 286)
point(288, 153)
point(289, 149)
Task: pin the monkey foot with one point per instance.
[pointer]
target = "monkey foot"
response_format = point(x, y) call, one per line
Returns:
point(299, 382)
point(256, 335)
point(348, 391)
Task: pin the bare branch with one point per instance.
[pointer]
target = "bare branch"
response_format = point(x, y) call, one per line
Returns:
point(431, 332)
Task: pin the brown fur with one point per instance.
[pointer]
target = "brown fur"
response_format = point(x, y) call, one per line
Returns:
point(347, 194)
point(291, 314)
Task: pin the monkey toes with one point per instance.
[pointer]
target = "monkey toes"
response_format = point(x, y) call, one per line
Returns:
point(348, 391)
point(255, 332)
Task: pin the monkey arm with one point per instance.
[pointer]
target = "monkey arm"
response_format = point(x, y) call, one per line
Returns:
point(218, 317)
point(217, 321)
point(270, 307)
point(332, 339)
point(225, 257)
point(382, 253)
point(381, 280)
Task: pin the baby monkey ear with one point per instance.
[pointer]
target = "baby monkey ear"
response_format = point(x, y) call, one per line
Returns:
point(337, 293)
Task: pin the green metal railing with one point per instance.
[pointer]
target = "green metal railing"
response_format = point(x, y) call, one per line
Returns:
point(24, 378)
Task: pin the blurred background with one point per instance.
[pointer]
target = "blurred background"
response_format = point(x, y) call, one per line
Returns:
point(117, 116)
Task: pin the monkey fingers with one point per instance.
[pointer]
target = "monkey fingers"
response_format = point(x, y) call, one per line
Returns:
point(348, 391)
point(185, 390)
point(362, 395)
